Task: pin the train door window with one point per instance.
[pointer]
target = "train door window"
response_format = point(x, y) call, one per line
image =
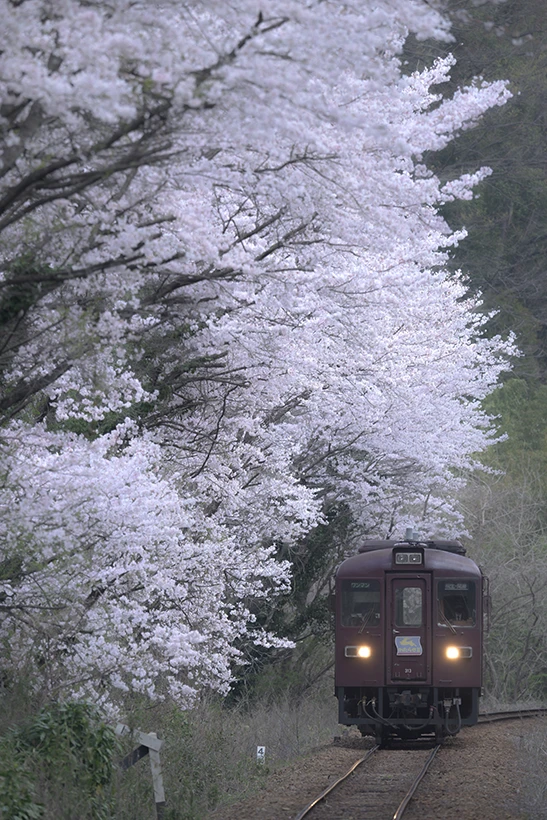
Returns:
point(408, 606)
point(457, 603)
point(361, 603)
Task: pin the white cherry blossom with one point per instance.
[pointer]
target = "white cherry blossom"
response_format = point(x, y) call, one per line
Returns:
point(224, 310)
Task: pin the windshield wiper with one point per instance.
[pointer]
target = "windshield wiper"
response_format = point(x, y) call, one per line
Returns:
point(366, 619)
point(445, 619)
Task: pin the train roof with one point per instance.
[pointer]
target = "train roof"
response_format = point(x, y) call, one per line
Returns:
point(438, 544)
point(439, 556)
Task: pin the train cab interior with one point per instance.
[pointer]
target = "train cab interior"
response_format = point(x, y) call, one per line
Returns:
point(361, 604)
point(456, 607)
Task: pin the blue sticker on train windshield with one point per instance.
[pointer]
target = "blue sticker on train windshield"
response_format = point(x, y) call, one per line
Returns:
point(408, 645)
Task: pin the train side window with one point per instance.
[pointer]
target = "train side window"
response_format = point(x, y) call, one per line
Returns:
point(408, 606)
point(361, 603)
point(457, 603)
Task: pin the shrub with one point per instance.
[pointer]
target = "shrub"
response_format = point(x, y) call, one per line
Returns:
point(61, 758)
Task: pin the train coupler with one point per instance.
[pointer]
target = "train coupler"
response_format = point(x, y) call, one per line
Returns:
point(406, 698)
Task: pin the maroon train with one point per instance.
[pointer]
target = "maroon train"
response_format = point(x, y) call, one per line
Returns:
point(409, 624)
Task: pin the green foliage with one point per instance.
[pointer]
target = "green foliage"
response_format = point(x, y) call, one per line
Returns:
point(521, 410)
point(61, 758)
point(93, 429)
point(538, 685)
point(31, 280)
point(17, 801)
point(505, 251)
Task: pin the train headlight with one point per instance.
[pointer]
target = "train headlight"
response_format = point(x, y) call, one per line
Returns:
point(408, 557)
point(358, 652)
point(455, 652)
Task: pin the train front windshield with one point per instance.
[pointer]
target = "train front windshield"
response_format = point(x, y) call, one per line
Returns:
point(457, 603)
point(361, 603)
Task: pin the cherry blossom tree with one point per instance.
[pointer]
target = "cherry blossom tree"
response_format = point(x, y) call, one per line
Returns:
point(224, 309)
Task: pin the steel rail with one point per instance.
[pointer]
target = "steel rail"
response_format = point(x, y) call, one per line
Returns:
point(330, 788)
point(410, 793)
point(491, 717)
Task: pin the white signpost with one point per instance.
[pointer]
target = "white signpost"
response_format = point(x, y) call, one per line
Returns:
point(150, 745)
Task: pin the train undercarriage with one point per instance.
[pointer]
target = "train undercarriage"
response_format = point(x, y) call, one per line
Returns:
point(408, 711)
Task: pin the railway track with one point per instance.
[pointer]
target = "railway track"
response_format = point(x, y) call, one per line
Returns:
point(515, 714)
point(377, 785)
point(374, 787)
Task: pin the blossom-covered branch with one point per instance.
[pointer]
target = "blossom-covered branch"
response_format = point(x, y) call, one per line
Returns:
point(223, 311)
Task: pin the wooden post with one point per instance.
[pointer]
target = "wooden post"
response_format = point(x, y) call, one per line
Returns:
point(150, 744)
